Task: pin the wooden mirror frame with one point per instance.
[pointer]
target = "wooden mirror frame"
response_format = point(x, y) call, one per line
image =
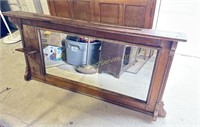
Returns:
point(165, 42)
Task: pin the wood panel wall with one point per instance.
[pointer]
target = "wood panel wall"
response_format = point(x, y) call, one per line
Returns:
point(133, 13)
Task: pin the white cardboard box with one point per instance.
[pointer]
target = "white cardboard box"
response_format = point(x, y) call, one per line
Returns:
point(54, 53)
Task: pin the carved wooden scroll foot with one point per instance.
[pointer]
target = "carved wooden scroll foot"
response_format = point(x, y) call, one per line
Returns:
point(27, 75)
point(159, 111)
point(28, 52)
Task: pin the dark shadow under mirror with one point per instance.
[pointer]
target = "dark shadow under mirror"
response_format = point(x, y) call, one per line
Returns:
point(122, 68)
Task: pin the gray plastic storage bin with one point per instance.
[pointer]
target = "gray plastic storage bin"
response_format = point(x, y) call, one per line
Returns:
point(76, 52)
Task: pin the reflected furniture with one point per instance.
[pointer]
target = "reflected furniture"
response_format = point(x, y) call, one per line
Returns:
point(165, 43)
point(116, 58)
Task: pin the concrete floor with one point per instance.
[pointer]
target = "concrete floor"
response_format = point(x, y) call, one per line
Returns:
point(37, 104)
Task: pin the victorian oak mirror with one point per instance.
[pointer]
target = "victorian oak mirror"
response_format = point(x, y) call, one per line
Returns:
point(60, 51)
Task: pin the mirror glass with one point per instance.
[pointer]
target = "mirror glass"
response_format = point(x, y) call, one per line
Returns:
point(122, 68)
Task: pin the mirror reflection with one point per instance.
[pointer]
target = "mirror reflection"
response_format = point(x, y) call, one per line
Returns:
point(122, 68)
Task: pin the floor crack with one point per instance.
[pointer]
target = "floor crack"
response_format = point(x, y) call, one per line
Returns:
point(21, 121)
point(11, 91)
point(4, 90)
